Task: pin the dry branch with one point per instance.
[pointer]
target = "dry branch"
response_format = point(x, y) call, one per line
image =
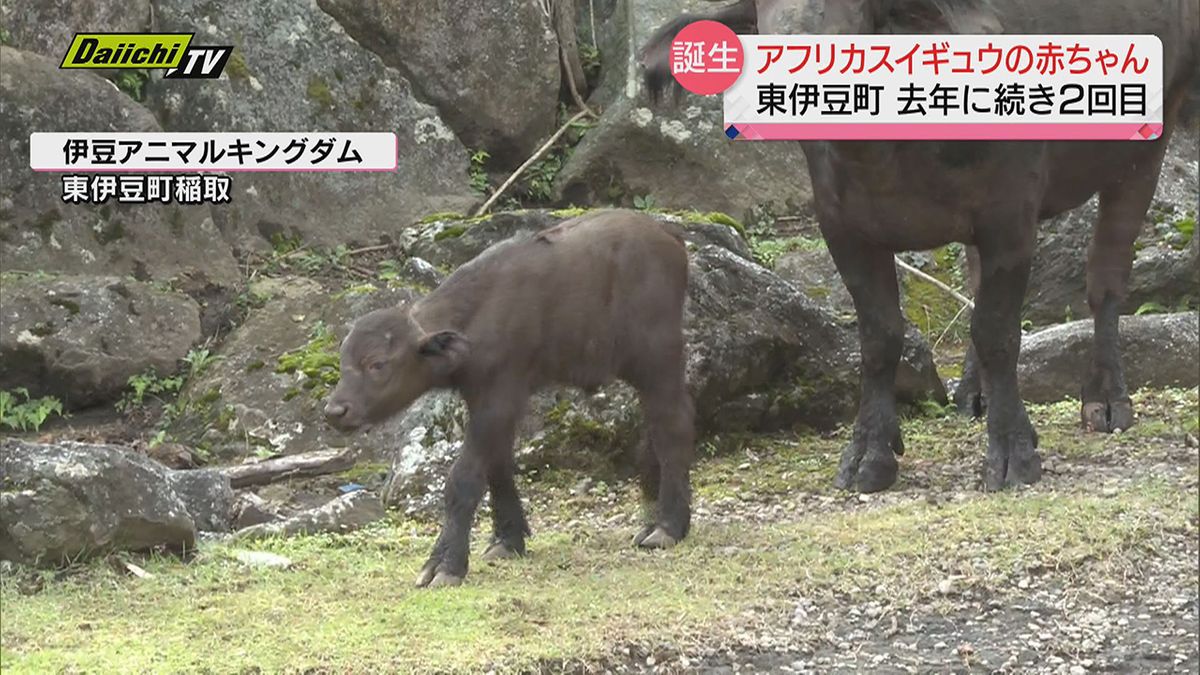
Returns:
point(306, 464)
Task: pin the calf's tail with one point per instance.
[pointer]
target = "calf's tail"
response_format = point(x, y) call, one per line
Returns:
point(741, 17)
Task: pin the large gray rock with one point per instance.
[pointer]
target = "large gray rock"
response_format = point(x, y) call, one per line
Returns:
point(80, 338)
point(676, 153)
point(48, 26)
point(1166, 269)
point(39, 232)
point(490, 68)
point(1159, 350)
point(207, 496)
point(69, 500)
point(295, 69)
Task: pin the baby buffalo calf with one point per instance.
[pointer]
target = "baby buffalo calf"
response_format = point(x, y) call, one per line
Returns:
point(591, 299)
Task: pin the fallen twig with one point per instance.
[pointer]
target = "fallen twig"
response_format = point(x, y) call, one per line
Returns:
point(272, 470)
point(529, 162)
point(948, 327)
point(936, 282)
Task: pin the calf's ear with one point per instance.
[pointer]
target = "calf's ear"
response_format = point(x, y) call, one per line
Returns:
point(446, 349)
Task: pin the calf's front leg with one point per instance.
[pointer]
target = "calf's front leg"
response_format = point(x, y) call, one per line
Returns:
point(490, 433)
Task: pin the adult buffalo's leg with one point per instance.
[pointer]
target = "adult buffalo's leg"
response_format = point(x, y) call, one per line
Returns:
point(509, 527)
point(1105, 400)
point(868, 462)
point(490, 432)
point(968, 396)
point(1005, 255)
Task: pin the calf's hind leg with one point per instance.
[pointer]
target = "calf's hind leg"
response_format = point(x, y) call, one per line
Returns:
point(1105, 400)
point(509, 527)
point(666, 481)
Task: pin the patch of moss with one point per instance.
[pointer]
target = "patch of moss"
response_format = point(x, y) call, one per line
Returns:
point(442, 215)
point(254, 366)
point(572, 212)
point(451, 232)
point(317, 360)
point(43, 329)
point(318, 92)
point(236, 67)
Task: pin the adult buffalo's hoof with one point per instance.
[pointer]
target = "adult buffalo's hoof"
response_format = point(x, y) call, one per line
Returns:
point(654, 536)
point(1012, 460)
point(445, 579)
point(1107, 417)
point(498, 550)
point(426, 576)
point(867, 467)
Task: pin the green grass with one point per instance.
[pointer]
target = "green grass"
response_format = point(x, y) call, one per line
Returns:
point(348, 603)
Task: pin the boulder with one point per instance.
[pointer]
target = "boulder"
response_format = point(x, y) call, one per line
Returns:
point(1159, 350)
point(64, 501)
point(1166, 269)
point(47, 27)
point(490, 68)
point(207, 496)
point(295, 69)
point(676, 153)
point(39, 232)
point(813, 272)
point(80, 338)
point(343, 514)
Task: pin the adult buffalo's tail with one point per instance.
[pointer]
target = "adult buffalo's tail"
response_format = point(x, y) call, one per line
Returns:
point(741, 17)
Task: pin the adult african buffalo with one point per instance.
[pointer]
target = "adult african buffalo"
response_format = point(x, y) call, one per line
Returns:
point(876, 198)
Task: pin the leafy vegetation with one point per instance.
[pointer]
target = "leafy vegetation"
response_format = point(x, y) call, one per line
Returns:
point(133, 83)
point(27, 413)
point(477, 173)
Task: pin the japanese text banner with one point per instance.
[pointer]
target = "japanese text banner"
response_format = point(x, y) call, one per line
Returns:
point(208, 151)
point(947, 87)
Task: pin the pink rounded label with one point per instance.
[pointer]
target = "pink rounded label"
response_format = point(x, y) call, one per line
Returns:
point(706, 57)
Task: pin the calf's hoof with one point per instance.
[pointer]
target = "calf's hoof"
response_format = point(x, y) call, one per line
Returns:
point(498, 550)
point(654, 536)
point(1107, 416)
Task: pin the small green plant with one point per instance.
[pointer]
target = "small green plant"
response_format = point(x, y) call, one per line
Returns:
point(30, 413)
point(149, 383)
point(540, 178)
point(479, 179)
point(198, 360)
point(643, 202)
point(133, 83)
point(1151, 308)
point(768, 251)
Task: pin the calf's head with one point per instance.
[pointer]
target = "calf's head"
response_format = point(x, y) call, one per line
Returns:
point(387, 362)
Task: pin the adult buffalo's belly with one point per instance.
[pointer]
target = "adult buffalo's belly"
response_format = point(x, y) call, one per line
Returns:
point(922, 195)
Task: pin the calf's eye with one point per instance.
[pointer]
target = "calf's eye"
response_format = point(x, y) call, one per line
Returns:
point(375, 366)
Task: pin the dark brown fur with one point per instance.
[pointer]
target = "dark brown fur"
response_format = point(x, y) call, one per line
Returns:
point(593, 299)
point(876, 198)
